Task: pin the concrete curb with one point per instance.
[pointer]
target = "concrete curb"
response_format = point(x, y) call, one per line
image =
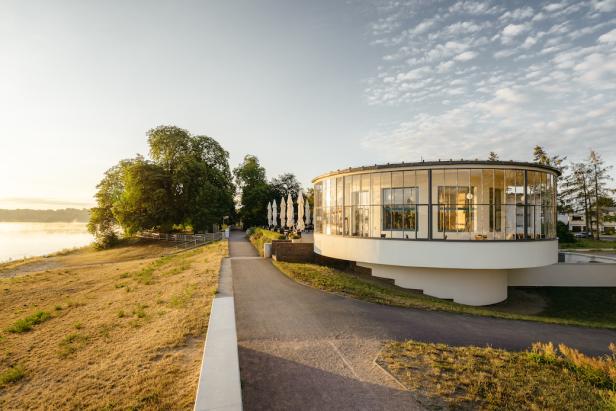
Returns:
point(219, 381)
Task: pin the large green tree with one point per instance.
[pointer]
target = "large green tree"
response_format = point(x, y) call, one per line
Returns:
point(188, 183)
point(254, 191)
point(284, 184)
point(200, 178)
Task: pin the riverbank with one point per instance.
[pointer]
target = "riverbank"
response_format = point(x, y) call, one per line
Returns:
point(120, 328)
point(19, 240)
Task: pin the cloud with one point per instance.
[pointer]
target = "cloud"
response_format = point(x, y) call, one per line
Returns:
point(604, 6)
point(609, 37)
point(466, 56)
point(473, 7)
point(552, 7)
point(513, 30)
point(518, 14)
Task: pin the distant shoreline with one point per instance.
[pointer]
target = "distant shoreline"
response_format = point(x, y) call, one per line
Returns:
point(67, 215)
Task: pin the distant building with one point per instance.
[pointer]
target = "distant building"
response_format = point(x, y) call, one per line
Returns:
point(577, 221)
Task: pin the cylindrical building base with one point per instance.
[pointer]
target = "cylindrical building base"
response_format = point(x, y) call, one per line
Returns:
point(470, 287)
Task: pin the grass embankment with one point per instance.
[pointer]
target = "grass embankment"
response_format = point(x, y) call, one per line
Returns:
point(445, 377)
point(116, 329)
point(260, 236)
point(590, 244)
point(589, 307)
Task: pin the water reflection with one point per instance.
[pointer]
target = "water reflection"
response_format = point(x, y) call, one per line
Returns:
point(19, 240)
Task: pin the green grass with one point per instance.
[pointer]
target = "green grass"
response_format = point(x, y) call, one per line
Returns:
point(587, 243)
point(260, 236)
point(12, 374)
point(592, 307)
point(445, 377)
point(71, 343)
point(25, 324)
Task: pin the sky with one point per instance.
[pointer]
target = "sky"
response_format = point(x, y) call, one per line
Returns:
point(306, 86)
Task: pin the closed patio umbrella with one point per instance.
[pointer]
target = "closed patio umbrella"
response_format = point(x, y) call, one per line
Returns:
point(308, 219)
point(300, 212)
point(269, 214)
point(283, 210)
point(290, 213)
point(274, 213)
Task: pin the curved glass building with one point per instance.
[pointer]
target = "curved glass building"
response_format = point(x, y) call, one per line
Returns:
point(440, 226)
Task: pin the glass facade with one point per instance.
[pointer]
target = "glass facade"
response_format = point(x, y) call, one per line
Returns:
point(439, 204)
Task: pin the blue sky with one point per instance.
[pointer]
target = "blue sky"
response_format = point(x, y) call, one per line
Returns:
point(306, 86)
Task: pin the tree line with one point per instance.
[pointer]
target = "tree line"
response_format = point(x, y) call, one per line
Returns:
point(585, 186)
point(66, 215)
point(185, 185)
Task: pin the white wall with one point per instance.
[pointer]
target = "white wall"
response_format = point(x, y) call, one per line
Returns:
point(471, 287)
point(439, 254)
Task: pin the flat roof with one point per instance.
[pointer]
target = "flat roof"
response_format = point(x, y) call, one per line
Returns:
point(446, 163)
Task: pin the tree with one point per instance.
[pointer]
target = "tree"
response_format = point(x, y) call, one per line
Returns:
point(576, 193)
point(145, 202)
point(284, 184)
point(599, 177)
point(254, 191)
point(493, 156)
point(103, 222)
point(200, 178)
point(540, 156)
point(188, 183)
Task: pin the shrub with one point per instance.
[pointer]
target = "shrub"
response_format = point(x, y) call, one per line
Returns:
point(563, 233)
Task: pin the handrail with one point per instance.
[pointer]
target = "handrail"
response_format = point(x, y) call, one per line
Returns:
point(183, 240)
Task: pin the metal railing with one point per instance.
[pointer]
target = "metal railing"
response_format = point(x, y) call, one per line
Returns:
point(184, 240)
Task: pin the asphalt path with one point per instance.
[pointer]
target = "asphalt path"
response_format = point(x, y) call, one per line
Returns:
point(301, 348)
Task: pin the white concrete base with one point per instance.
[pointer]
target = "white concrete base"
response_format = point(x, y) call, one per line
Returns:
point(470, 287)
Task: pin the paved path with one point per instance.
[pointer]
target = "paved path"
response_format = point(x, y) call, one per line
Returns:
point(301, 348)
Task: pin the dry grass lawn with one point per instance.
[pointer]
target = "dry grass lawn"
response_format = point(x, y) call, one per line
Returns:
point(471, 378)
point(115, 329)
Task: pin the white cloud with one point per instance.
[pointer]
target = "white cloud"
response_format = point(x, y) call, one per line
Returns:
point(518, 14)
point(473, 7)
point(513, 30)
point(554, 7)
point(529, 42)
point(609, 37)
point(466, 56)
point(445, 66)
point(604, 6)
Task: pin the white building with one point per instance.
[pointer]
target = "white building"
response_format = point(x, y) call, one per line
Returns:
point(577, 221)
point(453, 229)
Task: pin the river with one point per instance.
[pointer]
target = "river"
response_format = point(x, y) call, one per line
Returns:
point(19, 240)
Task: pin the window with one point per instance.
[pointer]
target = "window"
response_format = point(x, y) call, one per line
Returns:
point(455, 214)
point(400, 209)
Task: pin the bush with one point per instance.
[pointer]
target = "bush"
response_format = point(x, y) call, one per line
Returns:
point(260, 236)
point(106, 240)
point(563, 233)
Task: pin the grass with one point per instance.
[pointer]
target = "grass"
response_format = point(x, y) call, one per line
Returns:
point(12, 374)
point(260, 236)
point(588, 243)
point(25, 324)
point(591, 307)
point(445, 377)
point(106, 348)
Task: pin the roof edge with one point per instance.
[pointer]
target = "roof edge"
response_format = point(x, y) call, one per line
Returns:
point(436, 164)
